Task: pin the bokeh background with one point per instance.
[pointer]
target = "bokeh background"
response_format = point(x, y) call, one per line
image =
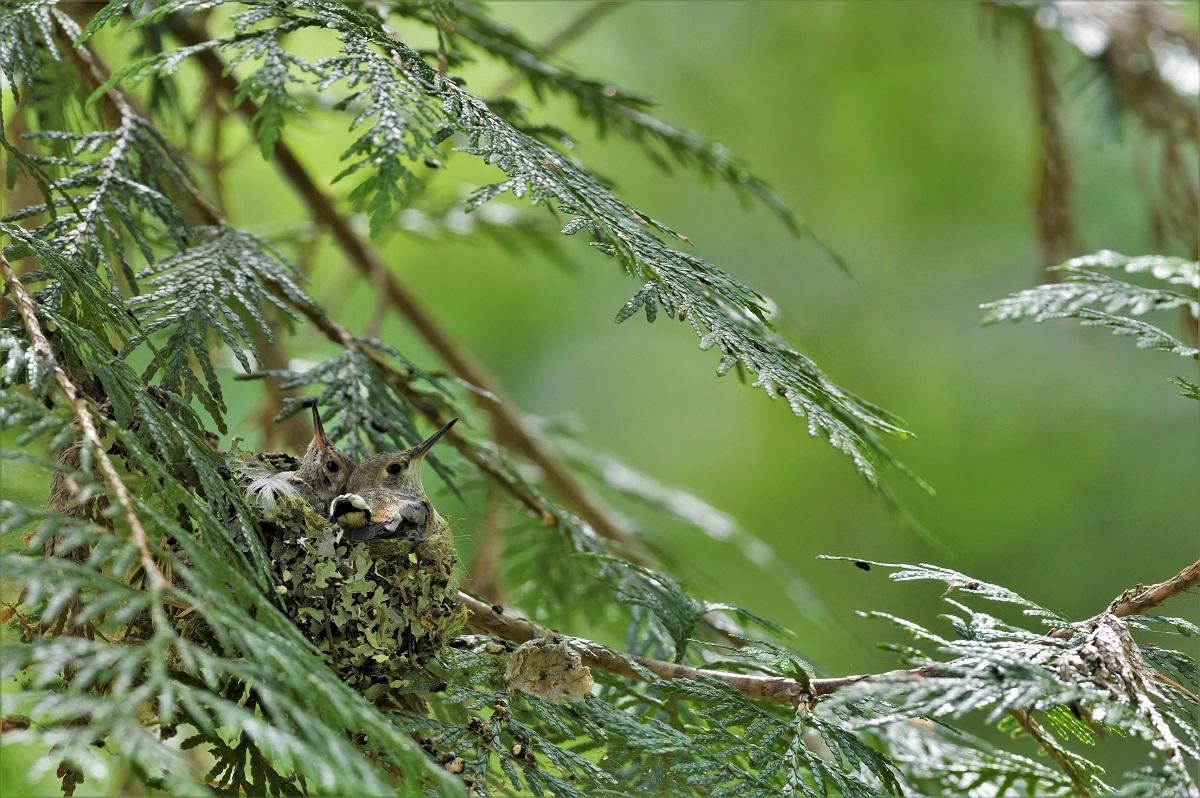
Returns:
point(1065, 465)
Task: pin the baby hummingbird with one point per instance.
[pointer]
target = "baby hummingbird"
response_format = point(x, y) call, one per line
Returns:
point(317, 477)
point(324, 471)
point(385, 498)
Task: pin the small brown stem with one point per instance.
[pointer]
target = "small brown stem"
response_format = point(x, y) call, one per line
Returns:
point(483, 575)
point(575, 27)
point(379, 308)
point(1034, 729)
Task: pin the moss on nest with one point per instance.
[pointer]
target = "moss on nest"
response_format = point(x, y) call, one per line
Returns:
point(375, 608)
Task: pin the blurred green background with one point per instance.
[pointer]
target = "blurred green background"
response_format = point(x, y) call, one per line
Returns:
point(1066, 466)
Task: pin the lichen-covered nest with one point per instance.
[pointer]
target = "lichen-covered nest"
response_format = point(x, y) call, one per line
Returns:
point(374, 608)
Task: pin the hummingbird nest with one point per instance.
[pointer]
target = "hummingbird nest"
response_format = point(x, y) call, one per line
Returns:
point(374, 608)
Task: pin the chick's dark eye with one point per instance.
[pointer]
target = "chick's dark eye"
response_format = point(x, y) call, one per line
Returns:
point(393, 468)
point(332, 467)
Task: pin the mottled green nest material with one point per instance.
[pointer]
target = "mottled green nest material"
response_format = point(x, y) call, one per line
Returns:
point(373, 608)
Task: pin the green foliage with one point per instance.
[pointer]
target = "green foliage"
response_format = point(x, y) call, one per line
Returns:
point(207, 289)
point(291, 661)
point(677, 505)
point(27, 42)
point(1082, 288)
point(363, 406)
point(936, 760)
point(811, 774)
point(1089, 678)
point(609, 107)
point(113, 184)
point(384, 75)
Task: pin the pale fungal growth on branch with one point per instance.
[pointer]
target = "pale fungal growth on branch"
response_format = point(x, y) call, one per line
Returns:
point(550, 669)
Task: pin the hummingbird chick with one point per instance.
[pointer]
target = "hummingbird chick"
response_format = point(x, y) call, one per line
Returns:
point(321, 474)
point(385, 499)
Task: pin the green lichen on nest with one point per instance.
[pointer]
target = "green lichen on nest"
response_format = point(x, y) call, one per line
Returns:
point(375, 609)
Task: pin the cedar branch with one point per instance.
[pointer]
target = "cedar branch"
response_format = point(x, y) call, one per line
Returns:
point(510, 427)
point(1035, 730)
point(485, 619)
point(26, 307)
point(341, 336)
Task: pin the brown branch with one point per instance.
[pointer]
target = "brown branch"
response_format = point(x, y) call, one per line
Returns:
point(1141, 599)
point(26, 307)
point(291, 432)
point(511, 429)
point(1055, 225)
point(487, 619)
point(214, 163)
point(272, 352)
point(1154, 595)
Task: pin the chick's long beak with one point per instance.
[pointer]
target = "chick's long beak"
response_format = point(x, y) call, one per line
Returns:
point(422, 448)
point(319, 438)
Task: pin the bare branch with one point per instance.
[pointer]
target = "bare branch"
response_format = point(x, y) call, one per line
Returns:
point(1141, 599)
point(1056, 227)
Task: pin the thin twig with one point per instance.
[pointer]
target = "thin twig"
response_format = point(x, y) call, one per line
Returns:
point(1147, 598)
point(575, 27)
point(87, 425)
point(1154, 595)
point(1034, 729)
point(290, 432)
